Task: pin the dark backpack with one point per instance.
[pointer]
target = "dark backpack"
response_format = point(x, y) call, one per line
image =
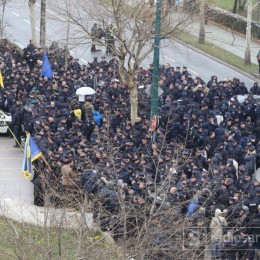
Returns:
point(89, 181)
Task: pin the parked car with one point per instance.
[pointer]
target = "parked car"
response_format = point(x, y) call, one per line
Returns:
point(5, 120)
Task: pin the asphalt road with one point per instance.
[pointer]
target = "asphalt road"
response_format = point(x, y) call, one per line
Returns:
point(13, 185)
point(19, 30)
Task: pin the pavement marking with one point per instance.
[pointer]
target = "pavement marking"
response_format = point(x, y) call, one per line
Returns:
point(10, 168)
point(79, 29)
point(8, 149)
point(193, 71)
point(84, 60)
point(84, 12)
point(15, 14)
point(12, 158)
point(26, 21)
point(169, 58)
point(49, 11)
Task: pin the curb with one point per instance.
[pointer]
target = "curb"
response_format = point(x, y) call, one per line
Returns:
point(44, 216)
point(251, 76)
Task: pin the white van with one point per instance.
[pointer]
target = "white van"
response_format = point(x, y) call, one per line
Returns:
point(5, 120)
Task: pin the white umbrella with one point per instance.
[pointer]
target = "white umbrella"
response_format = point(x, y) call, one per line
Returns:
point(85, 91)
point(241, 98)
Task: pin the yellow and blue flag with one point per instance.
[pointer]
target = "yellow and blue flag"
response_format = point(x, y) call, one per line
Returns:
point(1, 80)
point(31, 153)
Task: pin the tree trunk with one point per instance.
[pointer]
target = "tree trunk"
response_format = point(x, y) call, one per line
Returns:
point(122, 69)
point(235, 7)
point(31, 4)
point(258, 12)
point(129, 82)
point(248, 32)
point(2, 20)
point(66, 48)
point(202, 22)
point(133, 102)
point(242, 6)
point(43, 24)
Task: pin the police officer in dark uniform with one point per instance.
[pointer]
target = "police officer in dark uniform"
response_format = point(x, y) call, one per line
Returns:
point(103, 63)
point(94, 36)
point(16, 125)
point(110, 39)
point(38, 191)
point(88, 127)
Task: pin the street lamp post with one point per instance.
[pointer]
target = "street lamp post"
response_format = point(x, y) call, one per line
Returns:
point(155, 78)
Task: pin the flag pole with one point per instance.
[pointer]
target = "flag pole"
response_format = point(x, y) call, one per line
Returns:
point(46, 162)
point(13, 135)
point(43, 157)
point(1, 79)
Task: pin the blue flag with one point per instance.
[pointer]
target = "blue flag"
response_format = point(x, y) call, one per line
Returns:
point(46, 67)
point(31, 153)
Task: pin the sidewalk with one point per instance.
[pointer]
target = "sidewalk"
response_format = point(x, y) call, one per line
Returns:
point(225, 39)
point(24, 212)
point(221, 37)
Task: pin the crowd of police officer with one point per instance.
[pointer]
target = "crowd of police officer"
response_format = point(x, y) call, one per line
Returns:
point(205, 152)
point(98, 33)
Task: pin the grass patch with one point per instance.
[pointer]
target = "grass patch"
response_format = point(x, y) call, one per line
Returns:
point(227, 4)
point(218, 53)
point(25, 241)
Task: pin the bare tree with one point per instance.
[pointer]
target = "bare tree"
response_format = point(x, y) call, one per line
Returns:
point(133, 33)
point(144, 227)
point(147, 225)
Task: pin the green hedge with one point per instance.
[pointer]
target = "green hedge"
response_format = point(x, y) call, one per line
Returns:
point(233, 21)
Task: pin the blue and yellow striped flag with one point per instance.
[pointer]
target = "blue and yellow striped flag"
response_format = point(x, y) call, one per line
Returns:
point(31, 153)
point(1, 80)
